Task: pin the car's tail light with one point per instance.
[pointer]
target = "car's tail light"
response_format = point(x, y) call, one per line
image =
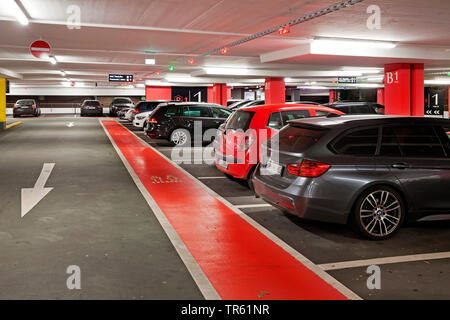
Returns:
point(15, 106)
point(152, 120)
point(136, 110)
point(308, 169)
point(33, 106)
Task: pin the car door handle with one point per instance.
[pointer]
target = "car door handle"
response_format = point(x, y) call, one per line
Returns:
point(400, 166)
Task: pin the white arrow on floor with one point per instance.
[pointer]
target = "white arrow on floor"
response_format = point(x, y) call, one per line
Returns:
point(32, 196)
point(70, 124)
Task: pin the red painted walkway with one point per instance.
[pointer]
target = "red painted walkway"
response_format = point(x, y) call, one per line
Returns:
point(239, 261)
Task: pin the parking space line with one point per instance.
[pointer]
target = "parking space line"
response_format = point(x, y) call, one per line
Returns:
point(386, 260)
point(225, 241)
point(246, 206)
point(191, 264)
point(13, 124)
point(211, 178)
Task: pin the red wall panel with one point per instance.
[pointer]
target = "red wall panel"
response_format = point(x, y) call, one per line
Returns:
point(158, 93)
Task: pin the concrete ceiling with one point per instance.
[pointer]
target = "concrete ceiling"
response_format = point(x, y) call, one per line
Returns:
point(116, 36)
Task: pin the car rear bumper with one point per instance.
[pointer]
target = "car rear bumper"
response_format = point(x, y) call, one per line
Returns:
point(236, 168)
point(138, 123)
point(91, 111)
point(30, 112)
point(299, 200)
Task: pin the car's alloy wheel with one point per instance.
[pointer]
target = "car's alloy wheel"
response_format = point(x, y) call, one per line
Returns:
point(180, 137)
point(379, 213)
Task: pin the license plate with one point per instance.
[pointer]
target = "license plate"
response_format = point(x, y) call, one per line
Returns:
point(222, 164)
point(272, 168)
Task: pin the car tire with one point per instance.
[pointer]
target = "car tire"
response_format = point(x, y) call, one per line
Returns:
point(249, 179)
point(378, 213)
point(144, 126)
point(180, 137)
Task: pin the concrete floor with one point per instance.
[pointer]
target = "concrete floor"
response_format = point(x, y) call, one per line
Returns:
point(97, 219)
point(94, 218)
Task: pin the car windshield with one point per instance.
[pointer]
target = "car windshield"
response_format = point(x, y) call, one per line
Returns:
point(25, 102)
point(92, 103)
point(240, 120)
point(123, 101)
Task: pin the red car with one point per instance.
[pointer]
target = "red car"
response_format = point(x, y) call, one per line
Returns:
point(239, 139)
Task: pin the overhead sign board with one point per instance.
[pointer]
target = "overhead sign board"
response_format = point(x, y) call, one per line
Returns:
point(121, 78)
point(40, 49)
point(435, 100)
point(347, 80)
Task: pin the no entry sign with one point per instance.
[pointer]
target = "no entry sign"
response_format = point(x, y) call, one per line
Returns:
point(40, 49)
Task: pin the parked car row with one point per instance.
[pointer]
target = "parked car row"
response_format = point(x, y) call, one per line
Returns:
point(364, 169)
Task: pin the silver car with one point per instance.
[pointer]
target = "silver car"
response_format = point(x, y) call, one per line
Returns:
point(370, 171)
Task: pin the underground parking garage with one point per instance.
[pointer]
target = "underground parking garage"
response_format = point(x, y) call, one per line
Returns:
point(208, 151)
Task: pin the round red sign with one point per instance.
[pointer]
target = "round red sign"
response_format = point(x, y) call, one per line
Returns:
point(40, 49)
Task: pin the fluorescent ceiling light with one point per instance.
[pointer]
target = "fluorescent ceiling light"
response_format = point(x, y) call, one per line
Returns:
point(52, 60)
point(226, 71)
point(438, 81)
point(150, 61)
point(18, 13)
point(352, 43)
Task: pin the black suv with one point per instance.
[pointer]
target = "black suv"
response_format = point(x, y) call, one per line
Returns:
point(26, 107)
point(175, 121)
point(372, 172)
point(348, 107)
point(118, 104)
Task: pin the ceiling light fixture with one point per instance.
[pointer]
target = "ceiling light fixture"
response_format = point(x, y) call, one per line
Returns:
point(171, 68)
point(63, 73)
point(283, 31)
point(150, 61)
point(19, 13)
point(225, 50)
point(52, 59)
point(191, 61)
point(351, 43)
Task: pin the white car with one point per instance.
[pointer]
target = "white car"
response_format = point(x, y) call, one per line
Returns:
point(141, 119)
point(129, 115)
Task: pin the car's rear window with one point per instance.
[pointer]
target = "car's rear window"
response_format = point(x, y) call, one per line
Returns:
point(92, 103)
point(25, 102)
point(240, 120)
point(295, 139)
point(122, 101)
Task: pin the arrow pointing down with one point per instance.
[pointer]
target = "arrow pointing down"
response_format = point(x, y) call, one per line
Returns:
point(32, 196)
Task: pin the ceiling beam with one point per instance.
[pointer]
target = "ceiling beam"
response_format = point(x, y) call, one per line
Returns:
point(10, 74)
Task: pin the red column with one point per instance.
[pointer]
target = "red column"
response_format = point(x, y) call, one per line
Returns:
point(158, 93)
point(219, 94)
point(275, 90)
point(210, 91)
point(404, 89)
point(380, 96)
point(417, 90)
point(228, 93)
point(333, 95)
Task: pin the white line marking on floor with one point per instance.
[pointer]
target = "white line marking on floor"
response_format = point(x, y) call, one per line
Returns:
point(32, 196)
point(203, 283)
point(297, 255)
point(208, 178)
point(386, 260)
point(246, 206)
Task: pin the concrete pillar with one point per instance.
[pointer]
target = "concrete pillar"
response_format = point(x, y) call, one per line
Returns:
point(275, 91)
point(404, 89)
point(158, 93)
point(333, 95)
point(220, 93)
point(2, 104)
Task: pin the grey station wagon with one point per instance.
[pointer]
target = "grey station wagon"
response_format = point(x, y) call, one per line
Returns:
point(369, 171)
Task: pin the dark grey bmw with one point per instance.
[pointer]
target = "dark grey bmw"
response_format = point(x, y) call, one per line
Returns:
point(371, 172)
